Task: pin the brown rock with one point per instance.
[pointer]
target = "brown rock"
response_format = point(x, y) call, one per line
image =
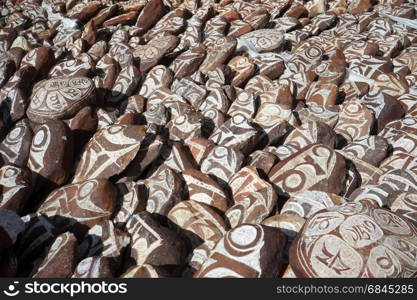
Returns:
point(81, 205)
point(15, 147)
point(355, 121)
point(104, 240)
point(222, 162)
point(305, 171)
point(307, 203)
point(150, 14)
point(151, 53)
point(385, 107)
point(120, 144)
point(51, 154)
point(202, 188)
point(197, 221)
point(15, 185)
point(153, 243)
point(62, 254)
point(188, 62)
point(164, 189)
point(356, 254)
point(59, 98)
point(227, 260)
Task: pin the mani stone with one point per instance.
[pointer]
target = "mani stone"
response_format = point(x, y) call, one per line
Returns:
point(355, 121)
point(404, 204)
point(94, 267)
point(307, 203)
point(15, 184)
point(109, 151)
point(386, 108)
point(164, 189)
point(60, 259)
point(222, 162)
point(104, 240)
point(202, 188)
point(59, 98)
point(51, 154)
point(197, 221)
point(153, 243)
point(15, 147)
point(132, 199)
point(236, 133)
point(252, 209)
point(247, 251)
point(355, 240)
point(290, 225)
point(372, 149)
point(81, 205)
point(265, 40)
point(151, 53)
point(315, 167)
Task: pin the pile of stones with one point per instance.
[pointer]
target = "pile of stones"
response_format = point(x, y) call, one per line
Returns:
point(208, 138)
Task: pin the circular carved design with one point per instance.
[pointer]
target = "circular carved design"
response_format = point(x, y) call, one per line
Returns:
point(59, 98)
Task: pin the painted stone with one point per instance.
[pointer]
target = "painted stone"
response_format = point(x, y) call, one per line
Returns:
point(80, 205)
point(307, 203)
point(247, 251)
point(15, 183)
point(222, 162)
point(62, 253)
point(15, 147)
point(330, 245)
point(164, 190)
point(373, 149)
point(151, 53)
point(197, 221)
point(51, 154)
point(315, 167)
point(59, 98)
point(109, 152)
point(153, 243)
point(355, 121)
point(104, 240)
point(202, 188)
point(265, 40)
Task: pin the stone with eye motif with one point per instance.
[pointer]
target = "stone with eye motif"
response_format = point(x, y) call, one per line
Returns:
point(15, 187)
point(357, 240)
point(109, 151)
point(246, 251)
point(59, 98)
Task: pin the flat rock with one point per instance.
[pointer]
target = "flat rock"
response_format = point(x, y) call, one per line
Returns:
point(59, 98)
point(265, 40)
point(330, 245)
